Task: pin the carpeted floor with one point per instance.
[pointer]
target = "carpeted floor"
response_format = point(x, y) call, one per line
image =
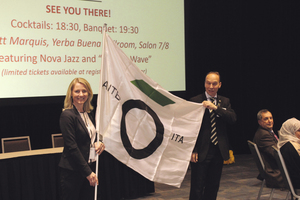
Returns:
point(238, 182)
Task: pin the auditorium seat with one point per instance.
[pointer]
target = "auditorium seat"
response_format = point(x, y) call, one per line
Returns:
point(57, 140)
point(13, 144)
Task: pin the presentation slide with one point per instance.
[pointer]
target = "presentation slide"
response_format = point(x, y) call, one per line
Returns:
point(45, 44)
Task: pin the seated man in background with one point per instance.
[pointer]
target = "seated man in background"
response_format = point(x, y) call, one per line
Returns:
point(265, 138)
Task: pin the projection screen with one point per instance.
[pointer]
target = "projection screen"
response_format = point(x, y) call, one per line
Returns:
point(45, 44)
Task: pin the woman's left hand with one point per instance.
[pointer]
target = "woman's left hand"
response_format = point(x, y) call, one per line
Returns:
point(99, 147)
point(93, 179)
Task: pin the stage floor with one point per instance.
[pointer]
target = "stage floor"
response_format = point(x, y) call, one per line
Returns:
point(238, 182)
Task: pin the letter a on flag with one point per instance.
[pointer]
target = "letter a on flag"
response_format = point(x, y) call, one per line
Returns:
point(144, 126)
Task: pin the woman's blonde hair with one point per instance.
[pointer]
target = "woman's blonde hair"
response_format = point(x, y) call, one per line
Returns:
point(87, 106)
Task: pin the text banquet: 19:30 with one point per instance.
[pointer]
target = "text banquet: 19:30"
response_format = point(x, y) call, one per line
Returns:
point(75, 27)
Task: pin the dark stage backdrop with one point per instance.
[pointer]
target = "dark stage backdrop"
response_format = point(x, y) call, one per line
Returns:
point(253, 44)
point(255, 47)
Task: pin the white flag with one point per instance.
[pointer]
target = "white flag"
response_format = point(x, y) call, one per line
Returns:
point(144, 126)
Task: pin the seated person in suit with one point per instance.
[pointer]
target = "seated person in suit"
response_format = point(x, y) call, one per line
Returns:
point(289, 144)
point(265, 138)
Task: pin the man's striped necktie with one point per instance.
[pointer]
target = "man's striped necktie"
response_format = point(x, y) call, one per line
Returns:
point(213, 137)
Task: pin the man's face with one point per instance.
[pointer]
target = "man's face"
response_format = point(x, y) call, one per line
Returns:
point(266, 121)
point(212, 84)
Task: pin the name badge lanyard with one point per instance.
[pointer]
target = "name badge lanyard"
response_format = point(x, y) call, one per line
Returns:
point(92, 156)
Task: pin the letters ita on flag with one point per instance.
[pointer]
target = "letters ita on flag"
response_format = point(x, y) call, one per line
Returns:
point(144, 126)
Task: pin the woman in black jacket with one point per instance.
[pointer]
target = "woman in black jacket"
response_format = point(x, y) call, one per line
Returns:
point(78, 129)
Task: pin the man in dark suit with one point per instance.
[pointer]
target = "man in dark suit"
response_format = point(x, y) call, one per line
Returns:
point(265, 138)
point(212, 146)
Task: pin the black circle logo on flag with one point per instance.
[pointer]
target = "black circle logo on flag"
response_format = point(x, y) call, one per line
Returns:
point(154, 144)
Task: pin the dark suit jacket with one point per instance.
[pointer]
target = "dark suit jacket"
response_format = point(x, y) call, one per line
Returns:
point(76, 142)
point(264, 141)
point(225, 115)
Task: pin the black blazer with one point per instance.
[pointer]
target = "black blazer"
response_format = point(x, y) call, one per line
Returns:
point(292, 162)
point(225, 115)
point(76, 142)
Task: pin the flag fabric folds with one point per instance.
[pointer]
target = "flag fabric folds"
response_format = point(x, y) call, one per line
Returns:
point(143, 125)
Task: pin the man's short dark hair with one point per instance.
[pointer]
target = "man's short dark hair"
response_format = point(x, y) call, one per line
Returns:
point(259, 114)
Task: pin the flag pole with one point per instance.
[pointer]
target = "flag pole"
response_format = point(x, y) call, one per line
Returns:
point(97, 123)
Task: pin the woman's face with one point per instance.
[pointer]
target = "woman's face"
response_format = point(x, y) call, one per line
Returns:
point(297, 133)
point(79, 95)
